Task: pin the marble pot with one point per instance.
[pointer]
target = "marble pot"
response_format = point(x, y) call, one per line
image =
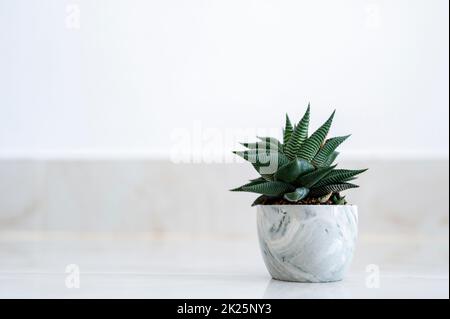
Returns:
point(307, 243)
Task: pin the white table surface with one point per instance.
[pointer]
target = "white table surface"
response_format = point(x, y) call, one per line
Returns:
point(209, 268)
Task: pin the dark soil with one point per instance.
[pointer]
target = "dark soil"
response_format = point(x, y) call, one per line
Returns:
point(281, 201)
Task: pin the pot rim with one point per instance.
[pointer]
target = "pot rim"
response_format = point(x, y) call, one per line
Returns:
point(288, 205)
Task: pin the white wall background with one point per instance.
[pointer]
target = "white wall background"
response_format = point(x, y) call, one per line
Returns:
point(134, 70)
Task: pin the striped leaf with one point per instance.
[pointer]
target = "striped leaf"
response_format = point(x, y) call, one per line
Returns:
point(327, 149)
point(339, 176)
point(330, 159)
point(334, 188)
point(288, 129)
point(275, 144)
point(297, 195)
point(269, 188)
point(312, 144)
point(264, 162)
point(262, 146)
point(298, 136)
point(291, 171)
point(251, 183)
point(310, 179)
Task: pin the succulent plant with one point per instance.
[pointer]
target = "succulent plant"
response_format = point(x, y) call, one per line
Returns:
point(301, 168)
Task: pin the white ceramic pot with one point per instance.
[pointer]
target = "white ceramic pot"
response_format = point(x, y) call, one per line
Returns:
point(307, 243)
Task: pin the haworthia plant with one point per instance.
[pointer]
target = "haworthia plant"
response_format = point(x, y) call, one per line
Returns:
point(299, 135)
point(312, 144)
point(301, 167)
point(288, 129)
point(328, 149)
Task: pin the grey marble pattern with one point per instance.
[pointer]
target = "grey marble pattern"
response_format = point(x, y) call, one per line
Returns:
point(307, 243)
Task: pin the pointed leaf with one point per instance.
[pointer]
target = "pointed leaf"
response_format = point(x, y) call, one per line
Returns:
point(264, 162)
point(339, 176)
point(267, 177)
point(298, 136)
point(288, 129)
point(310, 179)
point(327, 149)
point(312, 144)
point(262, 146)
point(335, 188)
point(297, 195)
point(269, 188)
point(259, 200)
point(259, 179)
point(251, 183)
point(275, 144)
point(330, 159)
point(291, 171)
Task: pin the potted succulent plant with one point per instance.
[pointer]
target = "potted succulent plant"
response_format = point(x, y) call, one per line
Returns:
point(307, 231)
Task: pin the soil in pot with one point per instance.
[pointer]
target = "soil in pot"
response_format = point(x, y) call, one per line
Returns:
point(282, 201)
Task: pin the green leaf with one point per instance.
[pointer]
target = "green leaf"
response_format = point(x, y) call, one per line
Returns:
point(310, 179)
point(259, 179)
point(259, 200)
point(269, 188)
point(338, 200)
point(264, 162)
point(267, 177)
point(262, 146)
point(327, 149)
point(297, 195)
point(326, 189)
point(312, 144)
point(298, 136)
point(339, 175)
point(330, 159)
point(252, 182)
point(291, 171)
point(275, 144)
point(287, 130)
